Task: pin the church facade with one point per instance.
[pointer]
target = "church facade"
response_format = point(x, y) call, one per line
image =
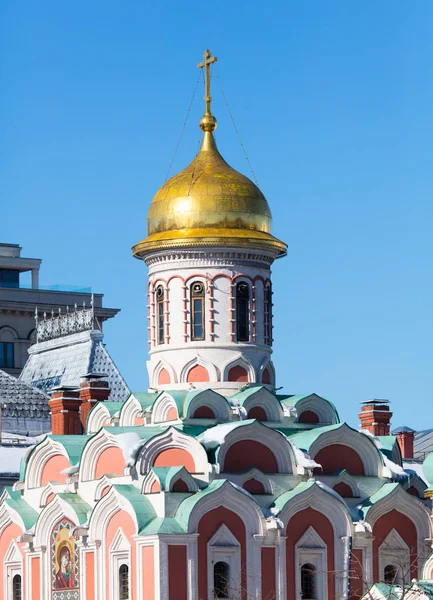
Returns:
point(211, 484)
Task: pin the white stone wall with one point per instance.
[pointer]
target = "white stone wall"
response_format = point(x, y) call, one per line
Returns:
point(219, 270)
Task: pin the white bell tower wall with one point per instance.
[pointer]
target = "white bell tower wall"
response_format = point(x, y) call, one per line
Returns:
point(210, 318)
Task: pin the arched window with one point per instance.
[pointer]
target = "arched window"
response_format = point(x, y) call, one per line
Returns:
point(390, 574)
point(7, 354)
point(197, 311)
point(124, 582)
point(16, 587)
point(308, 582)
point(242, 312)
point(268, 315)
point(221, 579)
point(160, 314)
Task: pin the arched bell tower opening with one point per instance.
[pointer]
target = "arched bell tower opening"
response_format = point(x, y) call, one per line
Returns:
point(209, 249)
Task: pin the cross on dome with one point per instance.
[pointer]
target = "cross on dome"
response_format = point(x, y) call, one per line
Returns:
point(208, 121)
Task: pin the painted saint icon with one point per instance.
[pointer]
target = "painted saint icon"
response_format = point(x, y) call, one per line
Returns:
point(64, 574)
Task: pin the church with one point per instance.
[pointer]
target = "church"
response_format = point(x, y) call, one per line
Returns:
point(210, 484)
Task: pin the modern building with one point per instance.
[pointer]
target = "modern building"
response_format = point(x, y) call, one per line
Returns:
point(19, 302)
point(210, 484)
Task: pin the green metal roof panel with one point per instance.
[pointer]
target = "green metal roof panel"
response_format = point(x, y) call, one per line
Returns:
point(165, 475)
point(293, 400)
point(185, 508)
point(143, 508)
point(299, 489)
point(384, 491)
point(145, 399)
point(25, 511)
point(82, 509)
point(305, 439)
point(243, 395)
point(427, 467)
point(162, 526)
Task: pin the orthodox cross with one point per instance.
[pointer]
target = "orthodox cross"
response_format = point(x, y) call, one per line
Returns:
point(208, 60)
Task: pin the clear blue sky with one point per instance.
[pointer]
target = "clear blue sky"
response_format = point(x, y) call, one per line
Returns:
point(334, 101)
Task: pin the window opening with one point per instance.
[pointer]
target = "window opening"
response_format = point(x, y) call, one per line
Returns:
point(268, 316)
point(197, 311)
point(242, 312)
point(7, 354)
point(308, 582)
point(124, 582)
point(390, 574)
point(221, 578)
point(16, 587)
point(160, 313)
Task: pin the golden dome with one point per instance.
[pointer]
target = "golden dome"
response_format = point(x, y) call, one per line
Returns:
point(209, 203)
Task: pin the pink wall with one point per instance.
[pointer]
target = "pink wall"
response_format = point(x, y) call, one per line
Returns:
point(175, 457)
point(337, 457)
point(35, 575)
point(51, 470)
point(177, 582)
point(405, 527)
point(163, 377)
point(197, 374)
point(148, 570)
point(11, 532)
point(122, 520)
point(111, 460)
point(90, 576)
point(247, 454)
point(207, 527)
point(269, 591)
point(296, 528)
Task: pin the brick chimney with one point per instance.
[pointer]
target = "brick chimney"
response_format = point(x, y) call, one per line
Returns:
point(405, 438)
point(93, 388)
point(65, 406)
point(375, 416)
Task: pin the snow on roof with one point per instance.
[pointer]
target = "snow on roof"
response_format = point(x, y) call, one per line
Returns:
point(63, 361)
point(10, 458)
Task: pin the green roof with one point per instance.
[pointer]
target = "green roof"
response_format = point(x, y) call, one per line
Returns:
point(82, 509)
point(160, 526)
point(384, 491)
point(427, 467)
point(145, 399)
point(305, 439)
point(143, 508)
point(73, 444)
point(25, 511)
point(293, 400)
point(299, 489)
point(388, 443)
point(243, 395)
point(166, 474)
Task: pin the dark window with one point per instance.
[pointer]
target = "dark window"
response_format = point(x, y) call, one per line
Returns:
point(390, 574)
point(160, 313)
point(221, 578)
point(268, 316)
point(197, 311)
point(7, 354)
point(242, 312)
point(308, 582)
point(16, 587)
point(10, 279)
point(124, 582)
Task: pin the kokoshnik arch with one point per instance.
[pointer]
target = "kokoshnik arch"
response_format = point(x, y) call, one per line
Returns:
point(209, 485)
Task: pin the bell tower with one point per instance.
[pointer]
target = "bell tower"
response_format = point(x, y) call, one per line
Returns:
point(209, 250)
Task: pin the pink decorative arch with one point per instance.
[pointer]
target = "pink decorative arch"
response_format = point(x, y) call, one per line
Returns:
point(266, 378)
point(52, 469)
point(197, 374)
point(254, 487)
point(343, 489)
point(180, 486)
point(164, 377)
point(308, 416)
point(337, 457)
point(238, 374)
point(111, 460)
point(257, 412)
point(203, 412)
point(175, 457)
point(247, 454)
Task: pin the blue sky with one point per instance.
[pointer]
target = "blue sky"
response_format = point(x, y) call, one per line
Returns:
point(334, 104)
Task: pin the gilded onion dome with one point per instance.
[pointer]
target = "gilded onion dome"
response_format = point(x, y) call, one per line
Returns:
point(209, 203)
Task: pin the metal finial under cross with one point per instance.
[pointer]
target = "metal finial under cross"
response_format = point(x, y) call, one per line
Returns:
point(208, 60)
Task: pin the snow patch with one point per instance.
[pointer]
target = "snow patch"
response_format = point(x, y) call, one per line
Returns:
point(394, 468)
point(303, 459)
point(71, 470)
point(330, 491)
point(130, 443)
point(215, 436)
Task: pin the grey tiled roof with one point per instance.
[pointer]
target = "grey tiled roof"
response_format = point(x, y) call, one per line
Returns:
point(65, 360)
point(20, 399)
point(26, 410)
